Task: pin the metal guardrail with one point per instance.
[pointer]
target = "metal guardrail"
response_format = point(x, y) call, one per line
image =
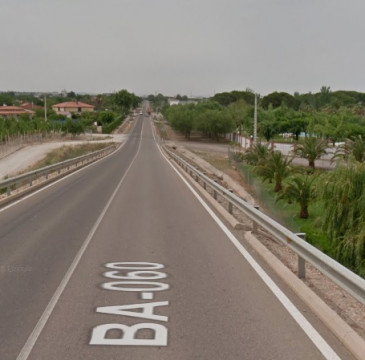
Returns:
point(343, 277)
point(29, 177)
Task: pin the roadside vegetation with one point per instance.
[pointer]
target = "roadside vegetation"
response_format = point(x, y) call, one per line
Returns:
point(110, 111)
point(210, 118)
point(329, 206)
point(68, 152)
point(330, 116)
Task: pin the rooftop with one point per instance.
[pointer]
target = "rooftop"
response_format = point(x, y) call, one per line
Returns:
point(73, 104)
point(14, 110)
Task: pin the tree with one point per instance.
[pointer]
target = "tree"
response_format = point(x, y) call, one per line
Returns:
point(311, 149)
point(158, 102)
point(125, 99)
point(276, 169)
point(239, 111)
point(343, 194)
point(267, 129)
point(277, 99)
point(181, 118)
point(6, 99)
point(299, 189)
point(324, 97)
point(227, 98)
point(71, 95)
point(215, 122)
point(297, 126)
point(351, 148)
point(73, 127)
point(257, 154)
point(106, 117)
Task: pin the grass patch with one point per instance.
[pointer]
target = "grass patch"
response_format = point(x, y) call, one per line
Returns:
point(67, 152)
point(221, 162)
point(288, 214)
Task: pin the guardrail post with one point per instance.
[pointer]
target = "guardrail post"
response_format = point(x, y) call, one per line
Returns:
point(230, 205)
point(215, 191)
point(204, 183)
point(254, 223)
point(301, 261)
point(230, 208)
point(8, 191)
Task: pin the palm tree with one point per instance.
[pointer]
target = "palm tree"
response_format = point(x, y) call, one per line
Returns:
point(351, 148)
point(311, 149)
point(257, 155)
point(276, 168)
point(299, 189)
point(343, 196)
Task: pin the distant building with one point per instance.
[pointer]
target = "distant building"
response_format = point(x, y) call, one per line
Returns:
point(64, 93)
point(72, 107)
point(173, 101)
point(30, 106)
point(8, 111)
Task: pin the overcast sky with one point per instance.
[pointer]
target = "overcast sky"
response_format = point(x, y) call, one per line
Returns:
point(190, 47)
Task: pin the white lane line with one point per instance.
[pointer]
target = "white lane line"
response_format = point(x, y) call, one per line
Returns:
point(309, 330)
point(147, 296)
point(57, 181)
point(27, 348)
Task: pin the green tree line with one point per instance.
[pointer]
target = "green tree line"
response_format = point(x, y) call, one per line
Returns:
point(111, 109)
point(334, 116)
point(209, 117)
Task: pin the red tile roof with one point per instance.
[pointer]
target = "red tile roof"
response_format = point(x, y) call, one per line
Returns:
point(14, 110)
point(30, 106)
point(73, 104)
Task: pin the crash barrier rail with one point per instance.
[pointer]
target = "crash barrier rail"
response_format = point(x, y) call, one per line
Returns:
point(343, 277)
point(28, 178)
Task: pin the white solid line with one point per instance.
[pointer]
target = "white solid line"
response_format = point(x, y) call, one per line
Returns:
point(28, 346)
point(147, 296)
point(309, 330)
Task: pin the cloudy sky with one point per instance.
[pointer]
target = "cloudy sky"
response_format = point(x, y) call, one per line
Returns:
point(190, 47)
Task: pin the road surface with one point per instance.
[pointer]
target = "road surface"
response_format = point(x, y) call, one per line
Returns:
point(121, 260)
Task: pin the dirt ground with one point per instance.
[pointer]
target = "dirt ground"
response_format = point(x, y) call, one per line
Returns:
point(345, 305)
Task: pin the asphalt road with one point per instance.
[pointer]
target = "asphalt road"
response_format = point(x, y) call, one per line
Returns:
point(122, 261)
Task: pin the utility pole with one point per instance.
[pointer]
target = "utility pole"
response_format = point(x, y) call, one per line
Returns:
point(45, 109)
point(255, 122)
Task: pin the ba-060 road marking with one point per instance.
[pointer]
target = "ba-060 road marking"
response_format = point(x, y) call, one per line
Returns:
point(136, 277)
